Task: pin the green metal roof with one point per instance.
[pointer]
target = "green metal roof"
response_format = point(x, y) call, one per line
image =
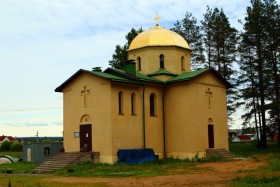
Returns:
point(187, 75)
point(137, 77)
point(109, 76)
point(95, 73)
point(143, 77)
point(162, 72)
point(121, 76)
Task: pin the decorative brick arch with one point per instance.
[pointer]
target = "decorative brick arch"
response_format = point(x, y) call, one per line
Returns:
point(85, 119)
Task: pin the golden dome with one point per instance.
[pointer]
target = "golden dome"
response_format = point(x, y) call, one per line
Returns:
point(158, 36)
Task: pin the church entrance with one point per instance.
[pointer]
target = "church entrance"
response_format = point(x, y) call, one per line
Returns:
point(211, 136)
point(85, 138)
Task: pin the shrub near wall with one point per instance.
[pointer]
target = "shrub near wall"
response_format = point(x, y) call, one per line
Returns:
point(11, 146)
point(16, 147)
point(5, 146)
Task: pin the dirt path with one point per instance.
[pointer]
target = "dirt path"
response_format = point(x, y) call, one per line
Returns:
point(213, 174)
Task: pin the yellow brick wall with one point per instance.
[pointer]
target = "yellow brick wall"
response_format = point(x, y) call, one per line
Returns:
point(98, 109)
point(187, 113)
point(163, 77)
point(150, 58)
point(127, 130)
point(154, 128)
point(186, 116)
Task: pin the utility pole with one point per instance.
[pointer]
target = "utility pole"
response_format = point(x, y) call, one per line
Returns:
point(37, 134)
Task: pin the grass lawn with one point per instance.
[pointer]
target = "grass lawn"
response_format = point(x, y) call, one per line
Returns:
point(13, 154)
point(23, 176)
point(159, 167)
point(18, 167)
point(38, 181)
point(253, 181)
point(250, 150)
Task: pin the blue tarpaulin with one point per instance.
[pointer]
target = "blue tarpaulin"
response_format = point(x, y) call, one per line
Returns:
point(136, 156)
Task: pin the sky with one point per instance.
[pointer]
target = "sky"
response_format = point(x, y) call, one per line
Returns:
point(44, 42)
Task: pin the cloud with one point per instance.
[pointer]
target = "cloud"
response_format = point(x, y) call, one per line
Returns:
point(36, 124)
point(12, 125)
point(57, 123)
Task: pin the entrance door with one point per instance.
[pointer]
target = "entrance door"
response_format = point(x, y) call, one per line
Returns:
point(29, 155)
point(211, 136)
point(85, 138)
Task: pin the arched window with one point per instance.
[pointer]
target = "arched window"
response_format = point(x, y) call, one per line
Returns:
point(139, 63)
point(183, 65)
point(133, 112)
point(210, 121)
point(152, 104)
point(120, 102)
point(161, 61)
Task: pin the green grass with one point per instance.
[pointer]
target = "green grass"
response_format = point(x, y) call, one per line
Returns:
point(18, 167)
point(40, 181)
point(13, 154)
point(159, 167)
point(250, 149)
point(274, 162)
point(252, 181)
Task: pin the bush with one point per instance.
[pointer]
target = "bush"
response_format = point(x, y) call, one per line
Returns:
point(46, 141)
point(11, 146)
point(5, 146)
point(16, 147)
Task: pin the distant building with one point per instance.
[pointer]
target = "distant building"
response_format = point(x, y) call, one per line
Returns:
point(39, 152)
point(7, 138)
point(233, 133)
point(241, 138)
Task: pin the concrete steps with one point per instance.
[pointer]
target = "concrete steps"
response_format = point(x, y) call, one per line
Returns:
point(219, 153)
point(61, 160)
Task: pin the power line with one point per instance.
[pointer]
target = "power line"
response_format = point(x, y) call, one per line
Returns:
point(30, 109)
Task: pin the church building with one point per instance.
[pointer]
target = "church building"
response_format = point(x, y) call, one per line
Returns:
point(155, 102)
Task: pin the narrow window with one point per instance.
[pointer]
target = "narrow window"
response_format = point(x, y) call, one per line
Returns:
point(139, 63)
point(183, 65)
point(161, 61)
point(152, 105)
point(46, 151)
point(133, 112)
point(120, 102)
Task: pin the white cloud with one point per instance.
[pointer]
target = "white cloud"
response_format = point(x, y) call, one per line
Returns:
point(36, 124)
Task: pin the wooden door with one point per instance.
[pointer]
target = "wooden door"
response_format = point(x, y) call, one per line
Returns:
point(85, 138)
point(29, 158)
point(211, 136)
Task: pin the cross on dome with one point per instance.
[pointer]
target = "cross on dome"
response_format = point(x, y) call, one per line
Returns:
point(157, 18)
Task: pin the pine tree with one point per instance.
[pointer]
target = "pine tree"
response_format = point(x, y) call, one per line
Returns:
point(207, 29)
point(247, 86)
point(191, 32)
point(254, 38)
point(220, 41)
point(120, 55)
point(272, 55)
